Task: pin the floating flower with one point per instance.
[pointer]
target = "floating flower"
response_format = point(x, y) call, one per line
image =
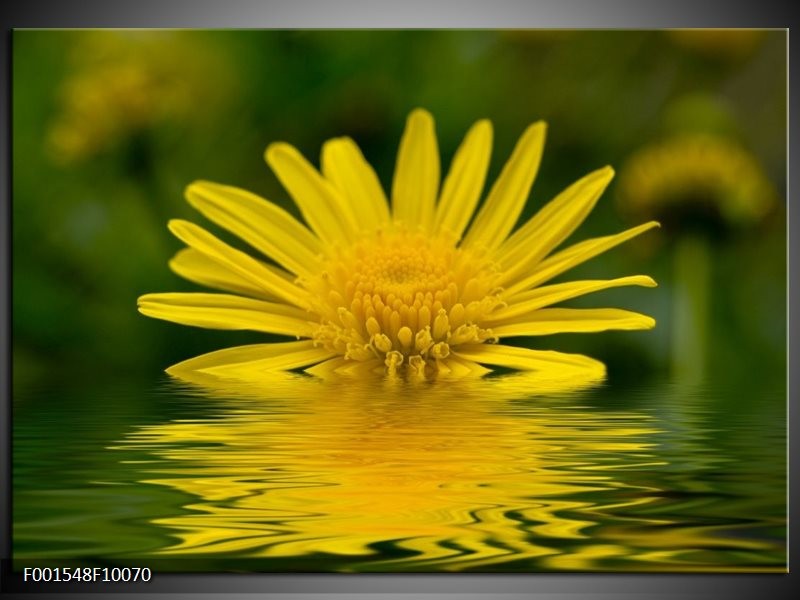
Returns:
point(408, 290)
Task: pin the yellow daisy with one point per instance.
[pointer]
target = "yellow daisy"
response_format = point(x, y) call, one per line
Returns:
point(696, 174)
point(412, 289)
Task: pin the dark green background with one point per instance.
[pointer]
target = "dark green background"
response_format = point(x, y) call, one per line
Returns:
point(89, 230)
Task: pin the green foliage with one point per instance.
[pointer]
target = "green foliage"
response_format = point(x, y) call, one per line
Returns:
point(109, 127)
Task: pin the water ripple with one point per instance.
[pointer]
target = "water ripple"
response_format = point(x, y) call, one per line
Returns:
point(402, 478)
point(504, 474)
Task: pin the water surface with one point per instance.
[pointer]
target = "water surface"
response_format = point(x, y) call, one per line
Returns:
point(502, 474)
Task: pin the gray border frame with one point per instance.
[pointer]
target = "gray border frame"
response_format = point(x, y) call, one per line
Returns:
point(425, 14)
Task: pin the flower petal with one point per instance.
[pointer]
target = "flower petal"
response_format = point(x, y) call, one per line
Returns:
point(323, 207)
point(464, 183)
point(197, 267)
point(547, 321)
point(329, 367)
point(460, 366)
point(416, 175)
point(574, 255)
point(527, 302)
point(340, 366)
point(527, 359)
point(225, 311)
point(237, 261)
point(345, 166)
point(259, 222)
point(251, 360)
point(508, 194)
point(551, 225)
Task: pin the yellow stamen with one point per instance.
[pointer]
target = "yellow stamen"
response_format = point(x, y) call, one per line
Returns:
point(410, 296)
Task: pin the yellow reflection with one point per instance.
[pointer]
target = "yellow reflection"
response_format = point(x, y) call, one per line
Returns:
point(452, 476)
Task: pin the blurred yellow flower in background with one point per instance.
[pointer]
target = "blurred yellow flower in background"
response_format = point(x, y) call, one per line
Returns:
point(699, 185)
point(405, 290)
point(123, 82)
point(696, 172)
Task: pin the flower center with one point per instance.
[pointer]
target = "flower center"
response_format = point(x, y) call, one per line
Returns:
point(398, 268)
point(402, 299)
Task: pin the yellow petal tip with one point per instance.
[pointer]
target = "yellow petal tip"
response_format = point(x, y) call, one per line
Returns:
point(277, 150)
point(535, 133)
point(601, 177)
point(483, 129)
point(420, 114)
point(193, 193)
point(176, 225)
point(538, 126)
point(174, 370)
point(198, 187)
point(334, 142)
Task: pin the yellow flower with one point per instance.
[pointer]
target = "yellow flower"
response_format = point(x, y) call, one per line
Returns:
point(123, 83)
point(696, 174)
point(408, 290)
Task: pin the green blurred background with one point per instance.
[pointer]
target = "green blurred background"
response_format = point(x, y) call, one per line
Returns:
point(110, 126)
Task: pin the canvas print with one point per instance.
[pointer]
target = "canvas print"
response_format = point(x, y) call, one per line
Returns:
point(399, 301)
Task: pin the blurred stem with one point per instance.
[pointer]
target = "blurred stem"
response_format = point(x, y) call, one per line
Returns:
point(691, 285)
point(141, 167)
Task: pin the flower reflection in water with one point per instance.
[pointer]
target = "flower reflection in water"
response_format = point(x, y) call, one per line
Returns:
point(513, 473)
